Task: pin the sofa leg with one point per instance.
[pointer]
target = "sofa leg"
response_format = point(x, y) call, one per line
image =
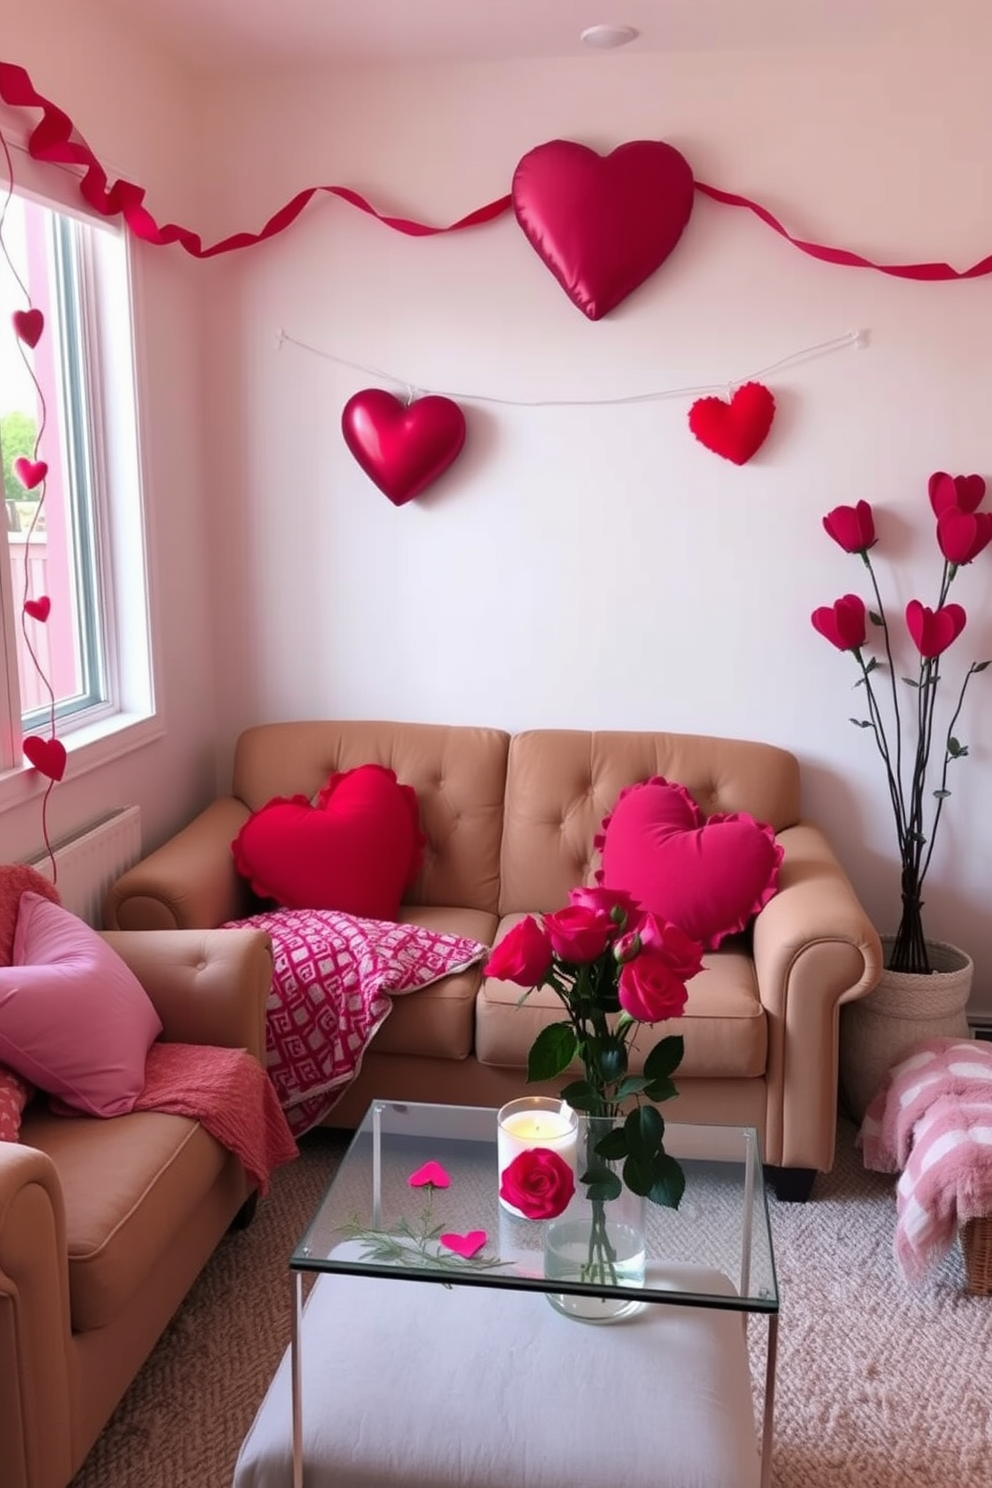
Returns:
point(791, 1185)
point(246, 1213)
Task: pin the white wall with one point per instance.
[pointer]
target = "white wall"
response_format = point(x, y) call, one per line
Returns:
point(133, 109)
point(593, 566)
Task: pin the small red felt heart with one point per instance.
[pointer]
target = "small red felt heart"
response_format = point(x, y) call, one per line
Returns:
point(28, 326)
point(38, 609)
point(30, 473)
point(465, 1245)
point(602, 224)
point(47, 755)
point(402, 447)
point(432, 1173)
point(962, 491)
point(735, 430)
point(707, 875)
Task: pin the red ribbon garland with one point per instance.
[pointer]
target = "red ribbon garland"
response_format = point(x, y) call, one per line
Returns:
point(52, 141)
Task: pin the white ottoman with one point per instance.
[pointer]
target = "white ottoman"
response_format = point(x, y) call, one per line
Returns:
point(410, 1384)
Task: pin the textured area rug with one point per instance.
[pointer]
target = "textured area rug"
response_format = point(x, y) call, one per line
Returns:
point(879, 1385)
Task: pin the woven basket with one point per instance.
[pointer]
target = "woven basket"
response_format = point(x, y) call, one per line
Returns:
point(976, 1242)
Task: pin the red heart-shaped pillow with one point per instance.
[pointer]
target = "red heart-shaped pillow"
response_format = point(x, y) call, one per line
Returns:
point(709, 876)
point(602, 223)
point(735, 430)
point(402, 447)
point(355, 851)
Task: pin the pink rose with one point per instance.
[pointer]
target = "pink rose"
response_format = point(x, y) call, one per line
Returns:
point(538, 1182)
point(610, 900)
point(678, 950)
point(522, 956)
point(650, 990)
point(578, 934)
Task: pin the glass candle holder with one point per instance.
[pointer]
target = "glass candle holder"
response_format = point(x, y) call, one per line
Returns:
point(535, 1121)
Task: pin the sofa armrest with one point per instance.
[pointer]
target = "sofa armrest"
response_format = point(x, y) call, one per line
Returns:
point(814, 948)
point(190, 882)
point(36, 1426)
point(208, 986)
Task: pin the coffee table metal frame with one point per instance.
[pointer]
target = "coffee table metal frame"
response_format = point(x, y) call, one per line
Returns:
point(723, 1220)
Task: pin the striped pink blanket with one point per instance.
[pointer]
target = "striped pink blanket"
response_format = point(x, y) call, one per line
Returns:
point(931, 1122)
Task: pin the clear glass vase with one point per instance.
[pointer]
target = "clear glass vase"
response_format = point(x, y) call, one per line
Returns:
point(597, 1240)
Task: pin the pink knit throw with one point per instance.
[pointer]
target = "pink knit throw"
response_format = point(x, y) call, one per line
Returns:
point(230, 1093)
point(932, 1121)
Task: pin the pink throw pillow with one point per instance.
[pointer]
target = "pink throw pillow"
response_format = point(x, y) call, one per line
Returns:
point(708, 875)
point(74, 1019)
point(14, 1096)
point(356, 850)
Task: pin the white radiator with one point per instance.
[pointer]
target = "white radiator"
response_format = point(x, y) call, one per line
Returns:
point(88, 861)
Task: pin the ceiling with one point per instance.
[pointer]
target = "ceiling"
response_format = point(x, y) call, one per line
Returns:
point(236, 35)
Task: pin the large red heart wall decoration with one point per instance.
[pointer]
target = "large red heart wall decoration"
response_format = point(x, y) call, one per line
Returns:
point(402, 447)
point(602, 223)
point(735, 430)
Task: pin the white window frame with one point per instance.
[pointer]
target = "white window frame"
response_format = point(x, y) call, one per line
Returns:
point(131, 718)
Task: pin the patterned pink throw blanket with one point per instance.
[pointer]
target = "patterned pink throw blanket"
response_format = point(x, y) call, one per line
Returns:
point(931, 1121)
point(333, 984)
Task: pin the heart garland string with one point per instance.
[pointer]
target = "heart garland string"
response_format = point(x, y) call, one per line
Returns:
point(47, 756)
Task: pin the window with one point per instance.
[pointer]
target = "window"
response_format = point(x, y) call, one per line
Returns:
point(81, 546)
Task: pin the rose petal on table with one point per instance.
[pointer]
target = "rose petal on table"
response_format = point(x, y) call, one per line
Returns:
point(465, 1245)
point(432, 1173)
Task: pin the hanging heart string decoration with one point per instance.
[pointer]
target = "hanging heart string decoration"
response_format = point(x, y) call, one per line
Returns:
point(737, 427)
point(402, 447)
point(602, 224)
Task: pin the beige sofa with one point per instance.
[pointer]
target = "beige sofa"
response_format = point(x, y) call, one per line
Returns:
point(510, 822)
point(105, 1224)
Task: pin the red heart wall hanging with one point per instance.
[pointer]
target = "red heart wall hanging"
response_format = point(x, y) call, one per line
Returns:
point(402, 447)
point(47, 755)
point(38, 609)
point(602, 224)
point(30, 473)
point(735, 430)
point(28, 326)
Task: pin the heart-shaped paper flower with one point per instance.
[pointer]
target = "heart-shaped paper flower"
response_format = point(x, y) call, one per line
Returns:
point(961, 535)
point(28, 326)
point(431, 1173)
point(464, 1245)
point(735, 430)
point(934, 630)
point(602, 223)
point(47, 755)
point(402, 447)
point(962, 491)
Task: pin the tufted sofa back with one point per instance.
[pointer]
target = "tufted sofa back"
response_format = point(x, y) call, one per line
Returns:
point(459, 774)
point(561, 783)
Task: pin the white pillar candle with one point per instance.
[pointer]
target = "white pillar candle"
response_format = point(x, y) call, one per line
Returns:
point(535, 1121)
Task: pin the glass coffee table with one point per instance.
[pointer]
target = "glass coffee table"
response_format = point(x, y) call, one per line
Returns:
point(415, 1199)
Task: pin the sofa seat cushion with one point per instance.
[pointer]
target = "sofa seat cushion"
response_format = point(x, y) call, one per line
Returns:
point(128, 1183)
point(438, 1021)
point(723, 1025)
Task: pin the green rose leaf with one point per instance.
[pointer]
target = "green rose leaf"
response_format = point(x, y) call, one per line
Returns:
point(668, 1184)
point(613, 1145)
point(610, 1057)
point(581, 1096)
point(665, 1058)
point(661, 1090)
point(552, 1052)
point(601, 1183)
point(633, 1085)
point(644, 1130)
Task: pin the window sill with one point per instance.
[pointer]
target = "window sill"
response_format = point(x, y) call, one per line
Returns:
point(88, 748)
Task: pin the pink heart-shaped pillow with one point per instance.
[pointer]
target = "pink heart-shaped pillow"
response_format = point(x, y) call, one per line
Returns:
point(710, 876)
point(402, 447)
point(356, 850)
point(602, 223)
point(736, 429)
